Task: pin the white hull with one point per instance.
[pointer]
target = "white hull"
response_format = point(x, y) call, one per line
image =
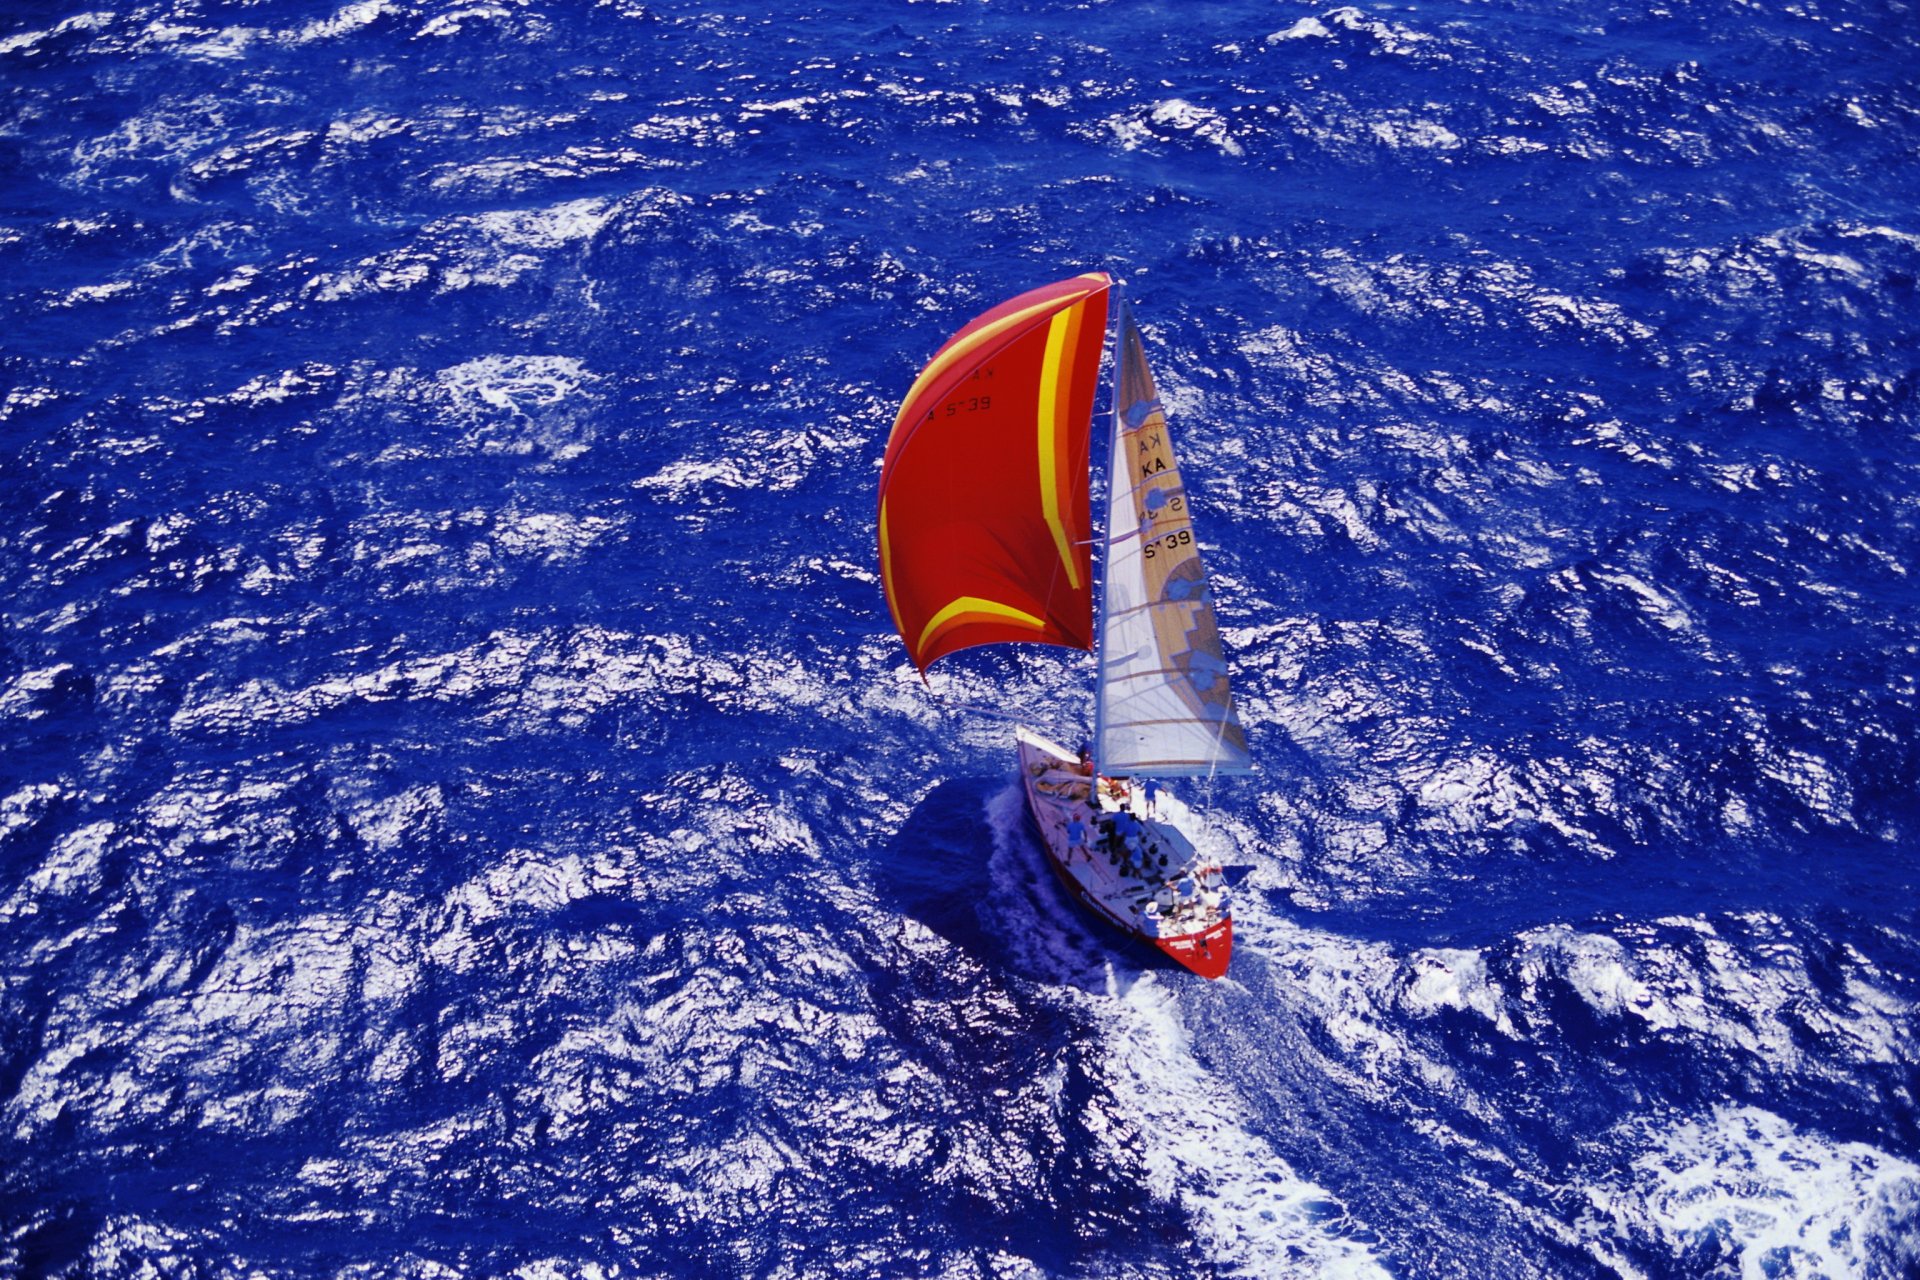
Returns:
point(1159, 891)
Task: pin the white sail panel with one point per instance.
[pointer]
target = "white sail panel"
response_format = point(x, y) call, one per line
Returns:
point(1163, 705)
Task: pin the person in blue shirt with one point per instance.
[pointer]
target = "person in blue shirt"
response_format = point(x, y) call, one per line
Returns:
point(1153, 794)
point(1129, 831)
point(1077, 839)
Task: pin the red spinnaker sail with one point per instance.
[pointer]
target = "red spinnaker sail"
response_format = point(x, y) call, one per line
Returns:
point(984, 521)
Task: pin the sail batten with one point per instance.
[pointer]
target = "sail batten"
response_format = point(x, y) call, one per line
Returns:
point(1163, 705)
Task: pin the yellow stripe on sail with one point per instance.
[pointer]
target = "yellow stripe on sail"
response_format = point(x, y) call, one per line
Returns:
point(886, 571)
point(974, 609)
point(1059, 340)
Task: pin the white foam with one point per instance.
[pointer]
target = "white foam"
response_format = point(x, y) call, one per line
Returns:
point(127, 1245)
point(26, 40)
point(1474, 793)
point(365, 126)
point(453, 22)
point(1391, 37)
point(1811, 780)
point(93, 293)
point(1656, 604)
point(552, 537)
point(1412, 133)
point(549, 227)
point(18, 698)
point(516, 383)
point(1451, 978)
point(74, 863)
point(390, 822)
point(525, 881)
point(1204, 123)
point(1744, 1182)
point(1250, 1212)
point(24, 807)
point(222, 45)
point(1142, 126)
point(351, 17)
point(1304, 29)
point(801, 108)
point(498, 404)
point(1462, 293)
point(536, 680)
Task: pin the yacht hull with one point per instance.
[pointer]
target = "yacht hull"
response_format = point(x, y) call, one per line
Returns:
point(1195, 933)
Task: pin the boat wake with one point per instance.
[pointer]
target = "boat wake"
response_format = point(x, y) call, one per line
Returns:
point(1196, 1141)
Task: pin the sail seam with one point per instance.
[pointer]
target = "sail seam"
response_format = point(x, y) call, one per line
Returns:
point(1132, 610)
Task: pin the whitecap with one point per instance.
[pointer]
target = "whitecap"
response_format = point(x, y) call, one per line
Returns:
point(553, 537)
point(551, 226)
point(351, 17)
point(1740, 1187)
point(20, 699)
point(1172, 117)
point(1658, 605)
point(1305, 28)
point(1454, 978)
point(498, 404)
point(1387, 37)
point(455, 21)
point(1415, 133)
point(26, 41)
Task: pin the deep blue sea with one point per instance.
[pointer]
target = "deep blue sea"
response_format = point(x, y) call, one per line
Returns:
point(464, 812)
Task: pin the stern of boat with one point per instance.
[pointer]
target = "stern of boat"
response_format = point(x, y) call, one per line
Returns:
point(1206, 953)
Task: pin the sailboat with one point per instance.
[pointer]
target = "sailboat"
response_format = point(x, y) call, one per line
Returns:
point(986, 537)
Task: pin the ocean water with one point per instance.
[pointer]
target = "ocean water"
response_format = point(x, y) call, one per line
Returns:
point(464, 813)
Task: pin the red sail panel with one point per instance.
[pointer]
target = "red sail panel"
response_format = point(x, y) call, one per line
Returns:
point(985, 530)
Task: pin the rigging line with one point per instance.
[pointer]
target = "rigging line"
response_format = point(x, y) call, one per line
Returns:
point(982, 709)
point(1213, 762)
point(985, 709)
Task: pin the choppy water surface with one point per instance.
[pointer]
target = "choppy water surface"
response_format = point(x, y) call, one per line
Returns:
point(463, 812)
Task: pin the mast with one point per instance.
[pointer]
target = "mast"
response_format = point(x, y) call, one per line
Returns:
point(1105, 533)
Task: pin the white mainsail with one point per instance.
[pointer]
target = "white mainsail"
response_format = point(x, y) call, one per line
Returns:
point(1162, 707)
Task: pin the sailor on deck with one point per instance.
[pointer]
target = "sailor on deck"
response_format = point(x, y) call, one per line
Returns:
point(1077, 839)
point(1128, 831)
